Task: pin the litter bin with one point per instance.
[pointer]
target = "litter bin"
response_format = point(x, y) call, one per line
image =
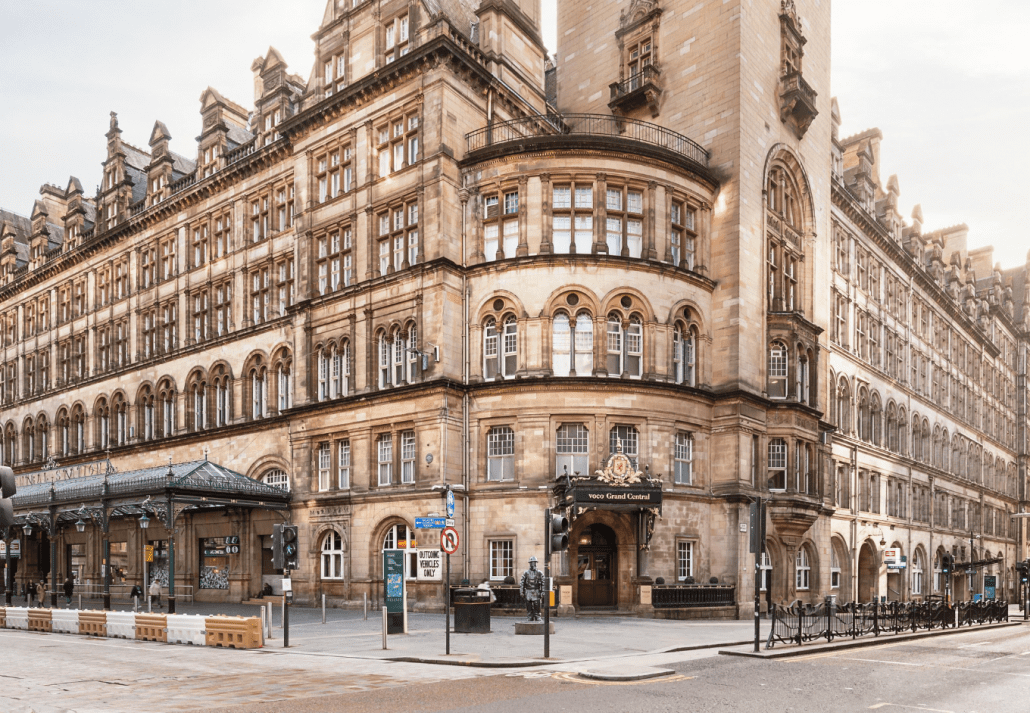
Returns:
point(471, 611)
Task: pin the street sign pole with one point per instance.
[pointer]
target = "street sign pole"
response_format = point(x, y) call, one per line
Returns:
point(547, 583)
point(286, 613)
point(756, 518)
point(447, 604)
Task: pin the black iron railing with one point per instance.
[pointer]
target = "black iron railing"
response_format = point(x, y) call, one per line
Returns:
point(507, 597)
point(647, 75)
point(687, 596)
point(798, 623)
point(600, 125)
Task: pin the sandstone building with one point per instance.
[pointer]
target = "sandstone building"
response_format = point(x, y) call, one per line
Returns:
point(443, 260)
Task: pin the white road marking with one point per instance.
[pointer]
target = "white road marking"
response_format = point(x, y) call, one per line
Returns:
point(900, 705)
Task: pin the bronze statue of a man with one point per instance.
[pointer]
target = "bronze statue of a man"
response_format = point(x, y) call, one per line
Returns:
point(532, 589)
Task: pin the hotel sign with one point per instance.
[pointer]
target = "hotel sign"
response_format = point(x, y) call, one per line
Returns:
point(72, 472)
point(584, 494)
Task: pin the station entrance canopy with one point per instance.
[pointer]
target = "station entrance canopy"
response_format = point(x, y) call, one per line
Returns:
point(61, 495)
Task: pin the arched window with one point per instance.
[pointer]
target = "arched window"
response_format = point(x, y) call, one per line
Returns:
point(102, 414)
point(863, 415)
point(79, 421)
point(333, 371)
point(29, 436)
point(43, 435)
point(875, 420)
point(277, 478)
point(166, 394)
point(324, 358)
point(801, 377)
point(625, 346)
point(684, 355)
point(925, 439)
point(283, 365)
point(63, 433)
point(572, 345)
point(412, 355)
point(400, 347)
point(902, 431)
point(844, 407)
point(500, 349)
point(384, 349)
point(777, 370)
point(400, 537)
point(892, 428)
point(222, 396)
point(198, 404)
point(10, 445)
point(121, 419)
point(917, 572)
point(802, 570)
point(332, 556)
point(834, 568)
point(257, 386)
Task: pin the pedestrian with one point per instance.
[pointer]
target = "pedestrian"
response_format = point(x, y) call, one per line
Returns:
point(136, 595)
point(155, 594)
point(41, 593)
point(69, 589)
point(485, 584)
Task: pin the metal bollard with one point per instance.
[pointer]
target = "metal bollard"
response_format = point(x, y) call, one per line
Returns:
point(268, 606)
point(264, 623)
point(365, 598)
point(135, 605)
point(283, 615)
point(323, 609)
point(384, 628)
point(80, 601)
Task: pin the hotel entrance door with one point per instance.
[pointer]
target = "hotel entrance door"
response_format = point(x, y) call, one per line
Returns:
point(596, 567)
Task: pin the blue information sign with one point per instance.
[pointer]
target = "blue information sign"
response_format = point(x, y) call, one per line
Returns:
point(430, 523)
point(393, 575)
point(450, 503)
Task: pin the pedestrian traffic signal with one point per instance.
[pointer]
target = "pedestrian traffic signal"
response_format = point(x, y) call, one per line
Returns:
point(291, 550)
point(1024, 570)
point(947, 563)
point(7, 491)
point(559, 533)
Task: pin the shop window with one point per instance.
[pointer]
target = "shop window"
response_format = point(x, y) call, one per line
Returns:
point(214, 563)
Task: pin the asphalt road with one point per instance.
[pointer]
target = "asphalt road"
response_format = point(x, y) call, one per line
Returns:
point(986, 671)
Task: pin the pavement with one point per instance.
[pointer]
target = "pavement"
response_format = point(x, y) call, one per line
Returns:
point(582, 639)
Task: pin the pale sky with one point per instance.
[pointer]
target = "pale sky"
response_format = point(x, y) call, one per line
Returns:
point(947, 81)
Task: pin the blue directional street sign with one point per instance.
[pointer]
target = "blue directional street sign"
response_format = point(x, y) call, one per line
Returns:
point(430, 523)
point(450, 503)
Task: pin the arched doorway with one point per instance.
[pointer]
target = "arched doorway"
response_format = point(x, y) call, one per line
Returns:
point(596, 567)
point(867, 573)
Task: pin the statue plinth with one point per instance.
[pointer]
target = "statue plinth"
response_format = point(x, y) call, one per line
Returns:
point(531, 628)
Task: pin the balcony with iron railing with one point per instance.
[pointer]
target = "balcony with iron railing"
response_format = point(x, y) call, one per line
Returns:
point(541, 132)
point(641, 89)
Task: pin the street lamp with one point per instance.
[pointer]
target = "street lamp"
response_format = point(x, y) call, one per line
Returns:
point(80, 524)
point(971, 571)
point(28, 529)
point(144, 521)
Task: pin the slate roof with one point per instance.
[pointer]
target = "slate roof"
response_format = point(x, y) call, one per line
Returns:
point(237, 136)
point(461, 12)
point(182, 165)
point(22, 225)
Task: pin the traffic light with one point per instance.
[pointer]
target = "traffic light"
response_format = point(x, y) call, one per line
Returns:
point(7, 491)
point(559, 533)
point(947, 562)
point(1023, 568)
point(285, 552)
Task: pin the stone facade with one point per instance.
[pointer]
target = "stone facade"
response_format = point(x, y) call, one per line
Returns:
point(419, 270)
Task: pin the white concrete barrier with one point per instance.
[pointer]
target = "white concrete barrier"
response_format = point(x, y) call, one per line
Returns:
point(18, 618)
point(186, 629)
point(121, 625)
point(65, 621)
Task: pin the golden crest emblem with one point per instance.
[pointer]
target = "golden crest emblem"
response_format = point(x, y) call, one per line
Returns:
point(619, 469)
